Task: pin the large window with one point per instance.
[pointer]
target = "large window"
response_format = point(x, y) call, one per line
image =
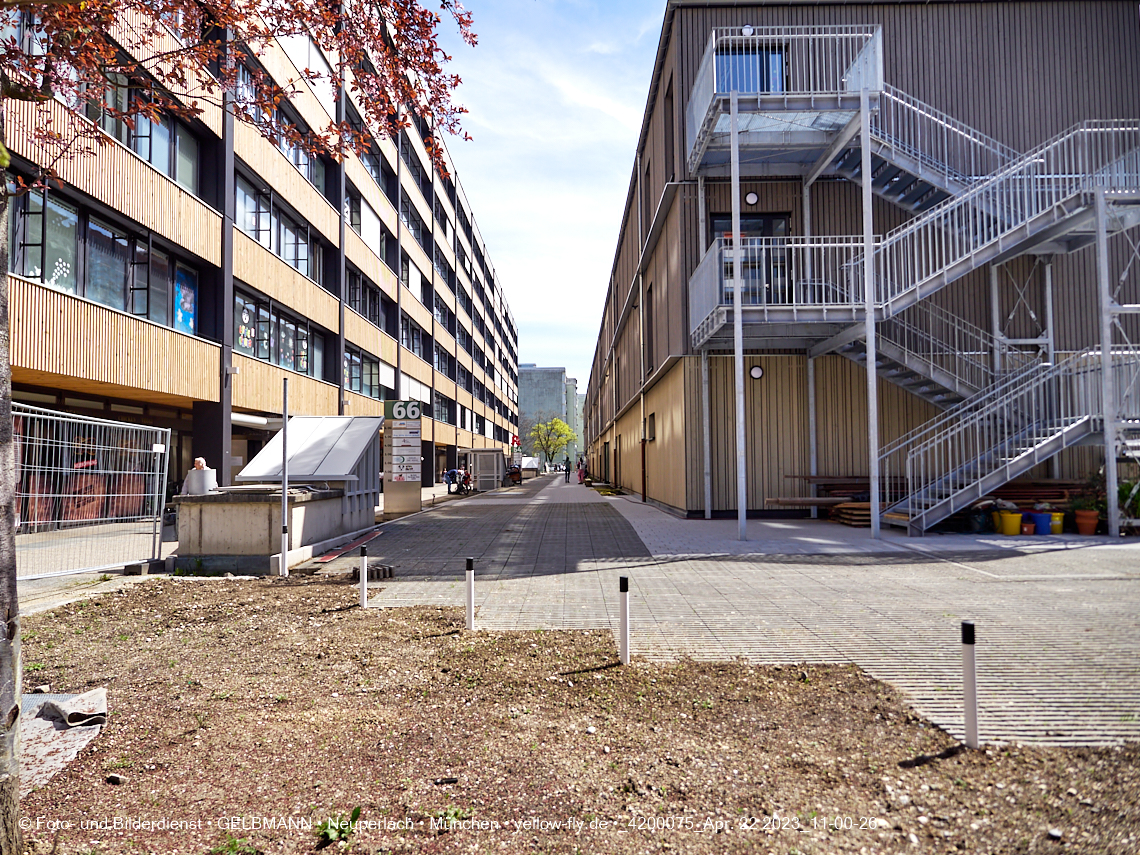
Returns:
point(170, 146)
point(362, 373)
point(750, 67)
point(65, 247)
point(263, 330)
point(258, 214)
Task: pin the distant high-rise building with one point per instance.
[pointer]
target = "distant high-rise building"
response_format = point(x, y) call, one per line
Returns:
point(547, 393)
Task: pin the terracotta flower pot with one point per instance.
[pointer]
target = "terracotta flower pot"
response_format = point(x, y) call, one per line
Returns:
point(1087, 521)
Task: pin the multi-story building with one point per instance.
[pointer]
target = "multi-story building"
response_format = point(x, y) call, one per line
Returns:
point(177, 276)
point(547, 393)
point(979, 163)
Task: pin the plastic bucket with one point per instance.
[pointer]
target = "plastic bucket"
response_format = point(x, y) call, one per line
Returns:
point(1043, 523)
point(1010, 523)
point(1056, 523)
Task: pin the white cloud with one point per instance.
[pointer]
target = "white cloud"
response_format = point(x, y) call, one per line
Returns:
point(555, 110)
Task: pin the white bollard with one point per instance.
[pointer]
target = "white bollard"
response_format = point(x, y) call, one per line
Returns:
point(969, 684)
point(364, 577)
point(471, 593)
point(623, 629)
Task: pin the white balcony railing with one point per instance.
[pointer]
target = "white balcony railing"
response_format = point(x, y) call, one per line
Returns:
point(783, 61)
point(818, 271)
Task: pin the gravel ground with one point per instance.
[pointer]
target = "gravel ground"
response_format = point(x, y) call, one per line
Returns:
point(246, 713)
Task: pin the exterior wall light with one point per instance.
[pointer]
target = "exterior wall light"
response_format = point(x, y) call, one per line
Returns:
point(746, 30)
point(751, 199)
point(755, 372)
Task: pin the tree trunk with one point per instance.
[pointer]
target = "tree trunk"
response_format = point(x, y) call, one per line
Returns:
point(11, 840)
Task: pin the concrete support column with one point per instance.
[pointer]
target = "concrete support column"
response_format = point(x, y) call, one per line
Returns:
point(738, 329)
point(1108, 381)
point(869, 297)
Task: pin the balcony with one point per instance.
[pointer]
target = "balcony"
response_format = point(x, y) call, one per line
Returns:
point(793, 291)
point(798, 87)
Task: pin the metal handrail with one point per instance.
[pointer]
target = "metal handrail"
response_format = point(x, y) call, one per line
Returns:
point(1014, 424)
point(1091, 155)
point(819, 271)
point(1015, 419)
point(936, 139)
point(945, 342)
point(784, 61)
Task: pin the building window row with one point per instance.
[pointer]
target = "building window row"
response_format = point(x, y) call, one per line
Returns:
point(263, 330)
point(414, 338)
point(169, 145)
point(69, 248)
point(362, 374)
point(259, 215)
point(366, 223)
point(413, 221)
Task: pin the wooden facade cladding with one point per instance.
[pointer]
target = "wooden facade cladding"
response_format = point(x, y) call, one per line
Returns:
point(257, 387)
point(417, 368)
point(86, 346)
point(258, 267)
point(362, 256)
point(118, 178)
point(361, 333)
point(444, 385)
point(287, 182)
point(278, 65)
point(361, 405)
point(416, 310)
point(366, 185)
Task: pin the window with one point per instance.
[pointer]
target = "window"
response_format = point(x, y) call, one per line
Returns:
point(110, 109)
point(186, 158)
point(413, 338)
point(107, 264)
point(651, 427)
point(443, 408)
point(258, 215)
point(649, 330)
point(185, 300)
point(413, 221)
point(263, 331)
point(443, 315)
point(362, 373)
point(119, 269)
point(748, 66)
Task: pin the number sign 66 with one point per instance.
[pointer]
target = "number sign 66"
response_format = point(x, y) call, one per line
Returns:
point(406, 410)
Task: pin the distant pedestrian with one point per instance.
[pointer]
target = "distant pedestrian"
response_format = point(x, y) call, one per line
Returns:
point(452, 478)
point(566, 466)
point(581, 470)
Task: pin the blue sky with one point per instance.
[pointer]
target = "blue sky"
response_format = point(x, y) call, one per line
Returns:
point(556, 90)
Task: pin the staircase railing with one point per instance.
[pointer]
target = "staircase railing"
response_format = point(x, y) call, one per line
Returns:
point(937, 140)
point(1014, 425)
point(893, 456)
point(925, 250)
point(947, 344)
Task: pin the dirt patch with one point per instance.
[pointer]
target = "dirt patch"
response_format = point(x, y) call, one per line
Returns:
point(243, 714)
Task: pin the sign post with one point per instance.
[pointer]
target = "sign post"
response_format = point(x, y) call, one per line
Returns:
point(403, 462)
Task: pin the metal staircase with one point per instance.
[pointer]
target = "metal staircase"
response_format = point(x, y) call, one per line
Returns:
point(960, 457)
point(976, 202)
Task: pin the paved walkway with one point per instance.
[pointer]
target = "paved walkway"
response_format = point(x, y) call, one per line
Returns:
point(1058, 624)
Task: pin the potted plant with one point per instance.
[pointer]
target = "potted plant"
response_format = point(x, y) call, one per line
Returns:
point(1085, 510)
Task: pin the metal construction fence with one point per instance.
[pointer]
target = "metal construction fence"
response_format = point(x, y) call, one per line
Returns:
point(89, 492)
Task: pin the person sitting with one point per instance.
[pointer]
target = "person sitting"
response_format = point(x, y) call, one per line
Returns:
point(199, 480)
point(451, 476)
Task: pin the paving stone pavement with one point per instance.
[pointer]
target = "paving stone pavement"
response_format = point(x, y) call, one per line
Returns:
point(1058, 625)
